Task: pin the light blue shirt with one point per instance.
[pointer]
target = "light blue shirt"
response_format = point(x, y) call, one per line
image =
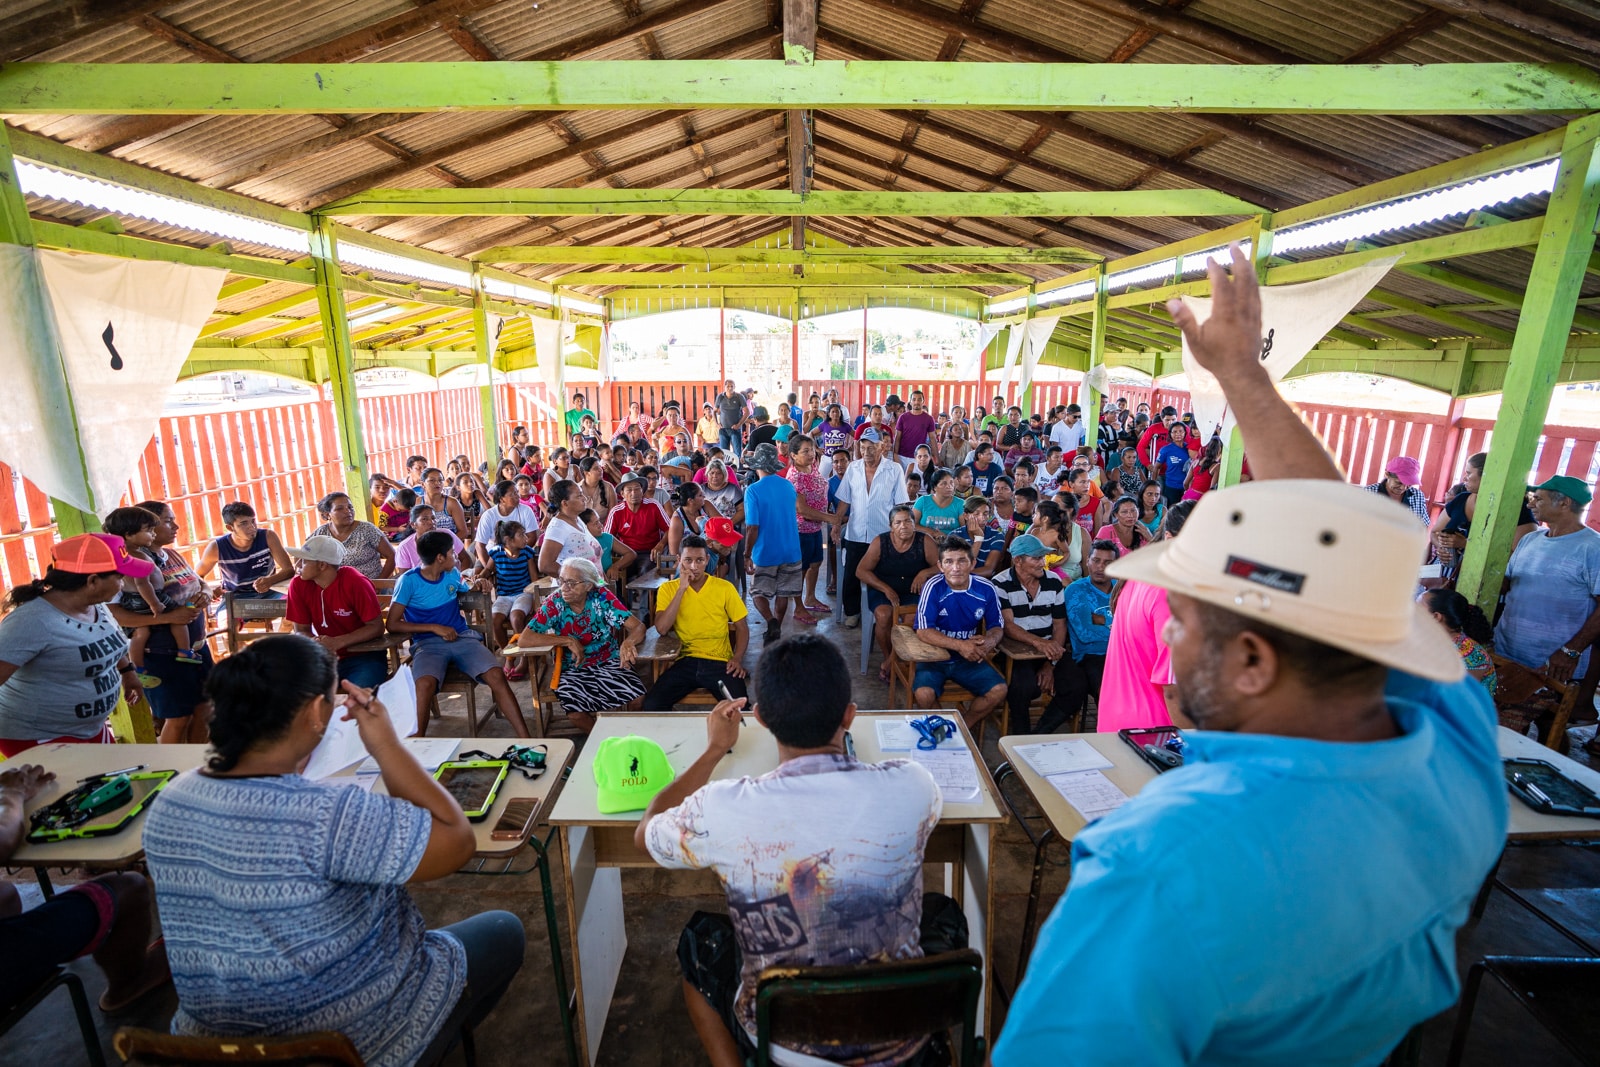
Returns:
point(432, 603)
point(1084, 598)
point(284, 908)
point(1274, 901)
point(770, 505)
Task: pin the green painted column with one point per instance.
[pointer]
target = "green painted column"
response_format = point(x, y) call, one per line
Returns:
point(1089, 399)
point(485, 344)
point(17, 228)
point(341, 363)
point(1565, 244)
point(1025, 400)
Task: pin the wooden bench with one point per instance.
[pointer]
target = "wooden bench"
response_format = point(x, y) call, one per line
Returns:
point(1012, 652)
point(906, 651)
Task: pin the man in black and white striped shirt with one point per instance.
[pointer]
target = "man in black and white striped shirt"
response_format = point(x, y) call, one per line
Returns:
point(1033, 604)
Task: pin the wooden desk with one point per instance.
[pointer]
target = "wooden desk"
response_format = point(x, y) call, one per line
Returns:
point(74, 762)
point(597, 845)
point(1529, 827)
point(1128, 772)
point(659, 651)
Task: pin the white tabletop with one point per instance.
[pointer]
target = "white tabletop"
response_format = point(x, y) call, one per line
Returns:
point(1128, 772)
point(683, 737)
point(1527, 824)
point(74, 762)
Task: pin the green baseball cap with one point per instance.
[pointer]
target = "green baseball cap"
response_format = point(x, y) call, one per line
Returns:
point(1566, 486)
point(630, 771)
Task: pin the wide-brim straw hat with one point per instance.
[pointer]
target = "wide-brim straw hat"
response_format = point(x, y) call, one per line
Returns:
point(1319, 558)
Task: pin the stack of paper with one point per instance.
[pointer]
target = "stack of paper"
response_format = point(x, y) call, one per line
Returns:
point(954, 770)
point(1091, 792)
point(1062, 757)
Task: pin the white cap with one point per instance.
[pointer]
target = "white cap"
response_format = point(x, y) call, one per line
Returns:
point(1318, 558)
point(320, 549)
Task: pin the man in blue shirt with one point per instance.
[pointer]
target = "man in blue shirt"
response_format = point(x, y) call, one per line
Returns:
point(1340, 802)
point(953, 606)
point(771, 538)
point(1089, 614)
point(425, 606)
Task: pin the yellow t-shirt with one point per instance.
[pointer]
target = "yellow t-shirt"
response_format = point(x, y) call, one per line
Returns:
point(703, 617)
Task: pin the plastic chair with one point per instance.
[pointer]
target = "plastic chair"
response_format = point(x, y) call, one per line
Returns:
point(1558, 991)
point(80, 1008)
point(870, 1003)
point(151, 1048)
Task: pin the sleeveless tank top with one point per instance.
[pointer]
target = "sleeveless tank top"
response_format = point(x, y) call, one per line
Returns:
point(241, 567)
point(898, 570)
point(442, 519)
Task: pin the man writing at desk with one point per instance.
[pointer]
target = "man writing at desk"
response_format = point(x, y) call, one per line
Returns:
point(821, 859)
point(699, 608)
point(1341, 799)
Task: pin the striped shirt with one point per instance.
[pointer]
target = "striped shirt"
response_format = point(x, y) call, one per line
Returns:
point(1038, 615)
point(511, 573)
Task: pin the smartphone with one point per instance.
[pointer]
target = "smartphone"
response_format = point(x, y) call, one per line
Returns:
point(1160, 746)
point(514, 821)
point(473, 783)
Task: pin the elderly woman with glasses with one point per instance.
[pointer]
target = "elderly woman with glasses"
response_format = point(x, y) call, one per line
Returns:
point(582, 618)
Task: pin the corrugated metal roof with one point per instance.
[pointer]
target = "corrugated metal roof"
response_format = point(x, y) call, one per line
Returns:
point(946, 150)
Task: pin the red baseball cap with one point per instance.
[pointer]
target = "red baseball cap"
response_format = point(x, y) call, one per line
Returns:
point(721, 530)
point(98, 553)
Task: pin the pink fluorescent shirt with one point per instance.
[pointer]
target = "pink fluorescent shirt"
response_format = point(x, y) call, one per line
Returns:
point(1138, 662)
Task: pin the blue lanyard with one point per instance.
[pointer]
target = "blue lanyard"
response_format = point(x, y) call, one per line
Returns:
point(933, 729)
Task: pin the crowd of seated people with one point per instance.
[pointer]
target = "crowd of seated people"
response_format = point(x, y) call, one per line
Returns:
point(1036, 529)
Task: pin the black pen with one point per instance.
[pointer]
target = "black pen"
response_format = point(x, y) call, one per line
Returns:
point(112, 774)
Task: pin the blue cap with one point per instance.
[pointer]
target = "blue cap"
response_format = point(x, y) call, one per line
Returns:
point(871, 434)
point(1028, 545)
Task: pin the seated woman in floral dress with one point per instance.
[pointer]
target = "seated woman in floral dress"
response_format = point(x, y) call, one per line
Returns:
point(582, 617)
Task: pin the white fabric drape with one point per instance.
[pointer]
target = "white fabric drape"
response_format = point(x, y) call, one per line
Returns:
point(1293, 319)
point(1035, 337)
point(969, 365)
point(97, 341)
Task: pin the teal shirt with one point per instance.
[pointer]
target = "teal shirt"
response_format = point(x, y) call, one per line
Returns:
point(945, 520)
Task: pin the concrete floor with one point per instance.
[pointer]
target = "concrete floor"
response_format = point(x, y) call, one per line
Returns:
point(647, 1026)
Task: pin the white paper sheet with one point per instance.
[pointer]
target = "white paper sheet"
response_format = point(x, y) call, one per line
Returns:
point(399, 695)
point(1062, 757)
point(897, 735)
point(430, 752)
point(363, 782)
point(954, 770)
point(340, 746)
point(1091, 792)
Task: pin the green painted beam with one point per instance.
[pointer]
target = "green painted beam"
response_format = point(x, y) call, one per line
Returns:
point(836, 203)
point(369, 88)
point(861, 256)
point(1507, 298)
point(1520, 234)
point(752, 279)
point(78, 239)
point(1543, 329)
point(341, 365)
point(271, 309)
point(1471, 327)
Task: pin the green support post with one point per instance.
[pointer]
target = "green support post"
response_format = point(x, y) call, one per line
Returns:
point(485, 346)
point(1025, 400)
point(341, 364)
point(17, 228)
point(1536, 354)
point(1089, 399)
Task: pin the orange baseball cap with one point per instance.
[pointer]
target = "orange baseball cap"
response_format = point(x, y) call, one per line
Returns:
point(98, 554)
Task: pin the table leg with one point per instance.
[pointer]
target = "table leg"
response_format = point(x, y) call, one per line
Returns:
point(44, 882)
point(977, 901)
point(599, 939)
point(1035, 887)
point(563, 1000)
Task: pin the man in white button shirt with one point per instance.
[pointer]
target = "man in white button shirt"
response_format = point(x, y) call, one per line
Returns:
point(1068, 432)
point(868, 492)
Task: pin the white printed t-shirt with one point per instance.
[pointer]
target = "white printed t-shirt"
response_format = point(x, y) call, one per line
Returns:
point(821, 860)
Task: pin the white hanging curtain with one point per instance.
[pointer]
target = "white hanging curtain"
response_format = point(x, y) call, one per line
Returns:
point(1014, 337)
point(969, 365)
point(1035, 337)
point(1293, 319)
point(548, 348)
point(97, 341)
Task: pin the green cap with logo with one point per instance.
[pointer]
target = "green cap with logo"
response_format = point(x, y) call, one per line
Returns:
point(1567, 486)
point(630, 771)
